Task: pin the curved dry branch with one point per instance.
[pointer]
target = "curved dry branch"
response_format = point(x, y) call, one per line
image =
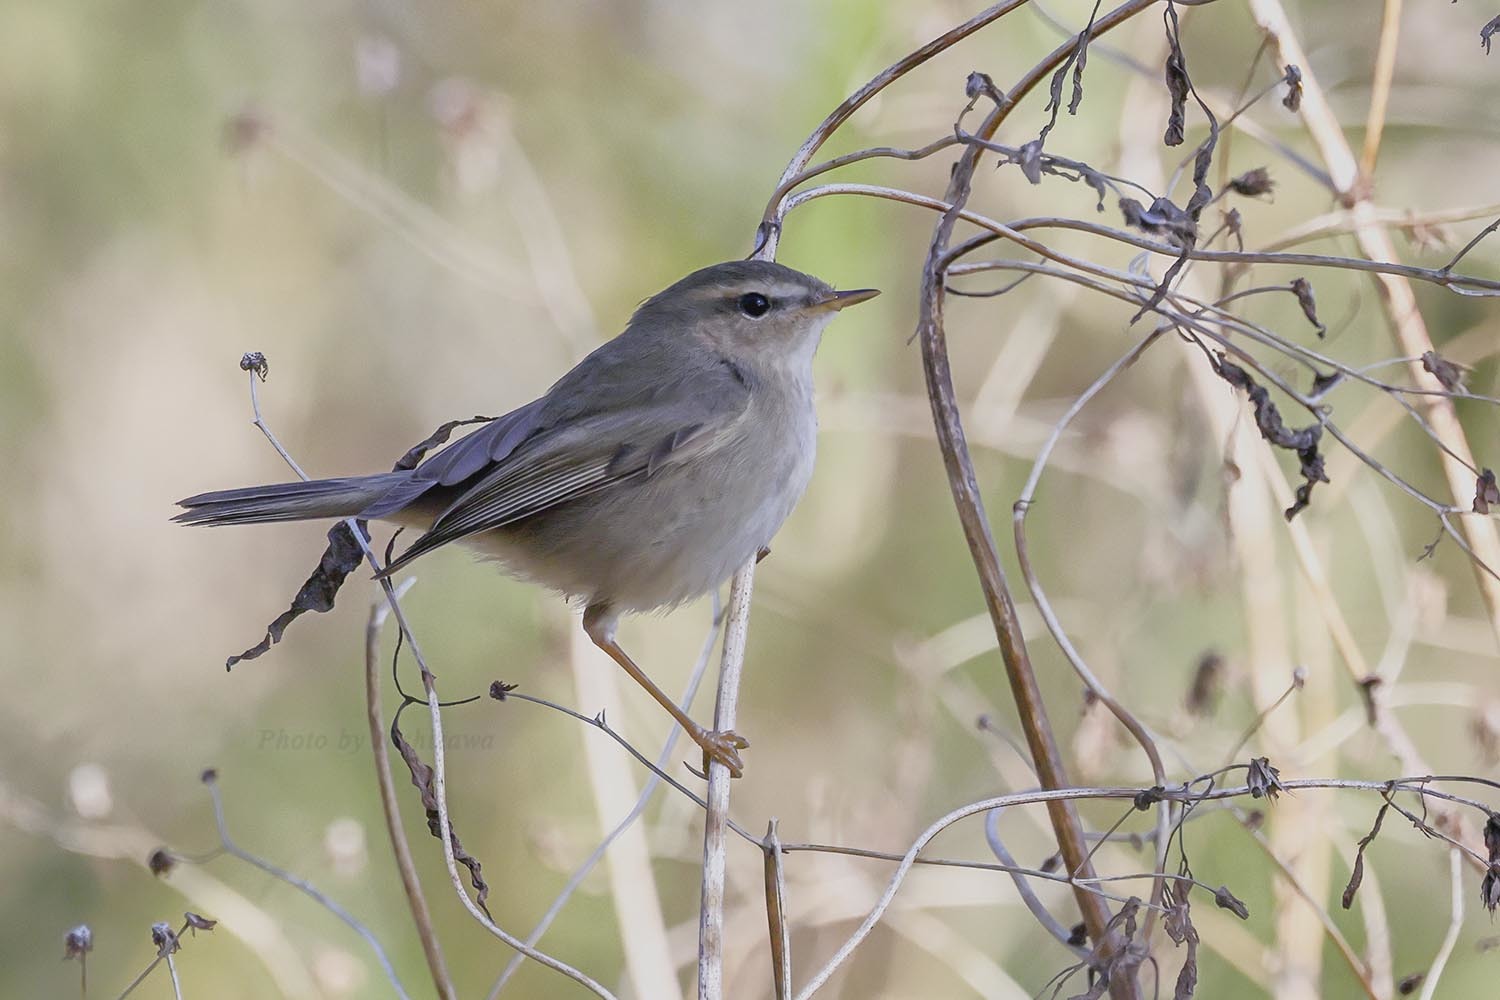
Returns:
point(768, 234)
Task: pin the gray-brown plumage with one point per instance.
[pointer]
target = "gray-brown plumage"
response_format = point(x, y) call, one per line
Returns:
point(661, 463)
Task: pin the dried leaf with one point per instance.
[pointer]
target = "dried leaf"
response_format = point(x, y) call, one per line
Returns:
point(343, 553)
point(1488, 31)
point(417, 452)
point(318, 592)
point(1293, 99)
point(1302, 288)
point(199, 923)
point(1163, 218)
point(1321, 383)
point(1180, 229)
point(1263, 779)
point(1304, 441)
point(1357, 872)
point(1076, 60)
point(422, 777)
point(1226, 900)
point(1202, 160)
point(1486, 492)
point(1177, 90)
point(1083, 58)
point(1448, 374)
point(1233, 224)
point(165, 939)
point(981, 85)
point(1489, 890)
point(1187, 978)
point(1029, 157)
point(1253, 183)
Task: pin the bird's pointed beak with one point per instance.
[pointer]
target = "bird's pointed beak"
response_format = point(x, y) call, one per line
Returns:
point(841, 300)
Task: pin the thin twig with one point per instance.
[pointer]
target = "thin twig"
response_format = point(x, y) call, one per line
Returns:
point(776, 915)
point(390, 806)
point(211, 782)
point(172, 971)
point(1455, 925)
point(1357, 965)
point(1298, 680)
point(715, 823)
point(1023, 887)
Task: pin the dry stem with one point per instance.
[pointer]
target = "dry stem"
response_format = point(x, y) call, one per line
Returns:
point(715, 822)
point(390, 807)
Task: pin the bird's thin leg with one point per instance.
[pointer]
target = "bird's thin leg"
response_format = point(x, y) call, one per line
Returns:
point(599, 622)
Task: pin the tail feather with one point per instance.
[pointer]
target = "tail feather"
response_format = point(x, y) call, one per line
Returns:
point(315, 500)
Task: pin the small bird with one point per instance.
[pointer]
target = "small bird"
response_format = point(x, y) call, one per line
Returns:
point(644, 477)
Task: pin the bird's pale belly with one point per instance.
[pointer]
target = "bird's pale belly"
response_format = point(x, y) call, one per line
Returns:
point(639, 546)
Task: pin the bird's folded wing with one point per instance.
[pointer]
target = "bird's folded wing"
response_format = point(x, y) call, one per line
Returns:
point(572, 461)
point(462, 459)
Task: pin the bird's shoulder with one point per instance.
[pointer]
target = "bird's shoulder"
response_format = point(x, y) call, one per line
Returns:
point(640, 371)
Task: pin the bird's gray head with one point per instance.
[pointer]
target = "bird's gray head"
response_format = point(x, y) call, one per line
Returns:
point(754, 310)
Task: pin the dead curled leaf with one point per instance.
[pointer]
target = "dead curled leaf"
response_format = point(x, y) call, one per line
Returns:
point(343, 553)
point(1302, 288)
point(1293, 99)
point(1252, 183)
point(317, 593)
point(1302, 440)
point(1357, 872)
point(422, 778)
point(1177, 90)
point(1448, 374)
point(1163, 218)
point(1486, 492)
point(1264, 779)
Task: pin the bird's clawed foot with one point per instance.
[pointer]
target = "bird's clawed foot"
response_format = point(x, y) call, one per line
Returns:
point(724, 747)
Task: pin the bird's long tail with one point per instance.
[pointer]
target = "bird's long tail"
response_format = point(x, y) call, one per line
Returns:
point(318, 499)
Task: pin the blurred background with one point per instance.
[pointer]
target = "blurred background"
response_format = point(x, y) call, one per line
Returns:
point(426, 213)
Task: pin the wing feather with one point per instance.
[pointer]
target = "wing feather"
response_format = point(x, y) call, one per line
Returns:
point(598, 426)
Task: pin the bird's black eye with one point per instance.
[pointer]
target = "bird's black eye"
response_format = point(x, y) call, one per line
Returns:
point(754, 305)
